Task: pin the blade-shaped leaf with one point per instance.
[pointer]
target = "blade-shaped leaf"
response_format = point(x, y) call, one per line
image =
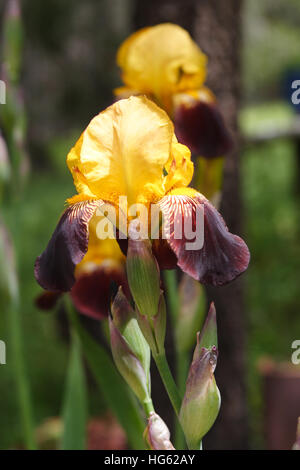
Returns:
point(75, 401)
point(112, 386)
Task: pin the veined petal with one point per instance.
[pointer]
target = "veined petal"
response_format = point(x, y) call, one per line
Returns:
point(54, 268)
point(223, 256)
point(200, 125)
point(161, 60)
point(123, 152)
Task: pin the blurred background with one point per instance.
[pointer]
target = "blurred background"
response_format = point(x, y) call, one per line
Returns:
point(67, 73)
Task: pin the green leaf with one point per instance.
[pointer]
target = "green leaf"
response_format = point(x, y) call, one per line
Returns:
point(75, 401)
point(112, 386)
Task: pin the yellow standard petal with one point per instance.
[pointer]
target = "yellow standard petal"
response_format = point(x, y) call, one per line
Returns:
point(162, 60)
point(180, 168)
point(123, 152)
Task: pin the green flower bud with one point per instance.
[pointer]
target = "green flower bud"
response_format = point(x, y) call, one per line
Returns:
point(143, 276)
point(208, 336)
point(130, 350)
point(157, 434)
point(201, 403)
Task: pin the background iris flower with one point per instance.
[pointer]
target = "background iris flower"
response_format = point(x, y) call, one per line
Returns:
point(164, 63)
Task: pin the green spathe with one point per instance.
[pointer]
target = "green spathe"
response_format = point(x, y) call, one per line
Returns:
point(143, 276)
point(130, 350)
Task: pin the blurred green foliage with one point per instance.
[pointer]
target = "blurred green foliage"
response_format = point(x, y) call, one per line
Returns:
point(271, 38)
point(272, 220)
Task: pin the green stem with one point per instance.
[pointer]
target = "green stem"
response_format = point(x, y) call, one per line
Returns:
point(172, 293)
point(181, 357)
point(148, 407)
point(183, 362)
point(167, 378)
point(22, 385)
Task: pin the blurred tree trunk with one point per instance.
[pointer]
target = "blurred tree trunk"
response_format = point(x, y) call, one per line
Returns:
point(216, 26)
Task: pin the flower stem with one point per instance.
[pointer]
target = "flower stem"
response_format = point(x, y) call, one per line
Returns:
point(148, 407)
point(182, 359)
point(183, 362)
point(172, 293)
point(167, 378)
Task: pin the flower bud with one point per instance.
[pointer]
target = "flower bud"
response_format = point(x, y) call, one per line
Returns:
point(201, 403)
point(192, 305)
point(130, 350)
point(157, 434)
point(143, 276)
point(208, 335)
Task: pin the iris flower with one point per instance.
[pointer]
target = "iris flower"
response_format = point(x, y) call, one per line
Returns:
point(164, 63)
point(130, 149)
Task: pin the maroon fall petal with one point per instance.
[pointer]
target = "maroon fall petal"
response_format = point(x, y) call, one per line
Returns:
point(54, 268)
point(91, 294)
point(222, 258)
point(166, 258)
point(202, 128)
point(47, 300)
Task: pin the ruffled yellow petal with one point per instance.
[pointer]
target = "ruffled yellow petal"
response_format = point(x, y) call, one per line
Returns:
point(162, 60)
point(74, 164)
point(123, 152)
point(190, 192)
point(180, 168)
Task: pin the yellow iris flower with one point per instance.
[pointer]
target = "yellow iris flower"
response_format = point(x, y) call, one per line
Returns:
point(130, 149)
point(164, 63)
point(161, 61)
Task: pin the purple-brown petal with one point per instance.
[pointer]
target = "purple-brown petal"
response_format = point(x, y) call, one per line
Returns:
point(54, 268)
point(223, 256)
point(91, 293)
point(202, 128)
point(47, 300)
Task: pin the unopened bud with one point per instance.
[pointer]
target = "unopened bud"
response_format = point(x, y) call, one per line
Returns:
point(143, 276)
point(208, 336)
point(157, 434)
point(130, 350)
point(201, 403)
